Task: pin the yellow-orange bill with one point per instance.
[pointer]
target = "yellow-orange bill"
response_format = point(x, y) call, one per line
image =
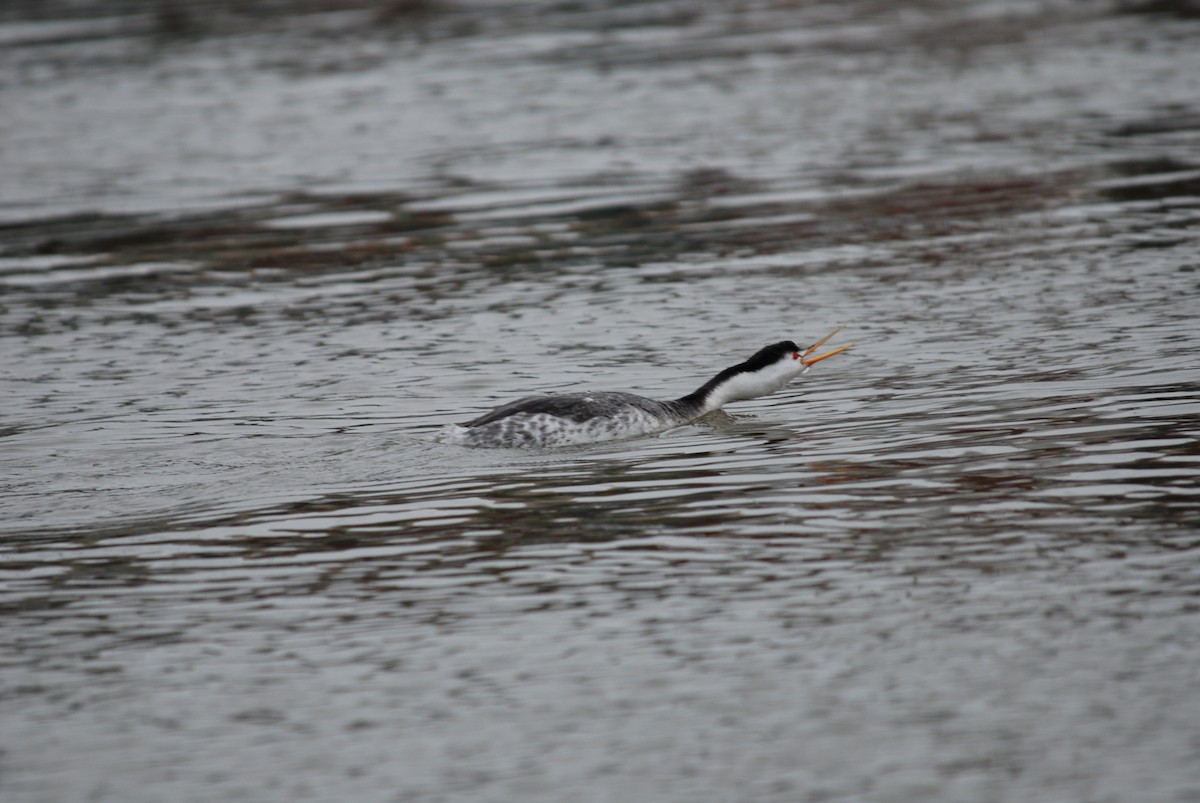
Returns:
point(822, 342)
point(826, 355)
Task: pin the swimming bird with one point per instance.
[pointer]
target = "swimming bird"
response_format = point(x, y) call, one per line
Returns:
point(573, 418)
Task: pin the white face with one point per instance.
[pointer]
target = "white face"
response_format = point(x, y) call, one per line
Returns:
point(791, 367)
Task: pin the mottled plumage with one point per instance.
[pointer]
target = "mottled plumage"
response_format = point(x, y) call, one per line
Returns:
point(568, 419)
point(577, 407)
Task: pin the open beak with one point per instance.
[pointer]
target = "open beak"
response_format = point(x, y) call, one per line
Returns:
point(808, 361)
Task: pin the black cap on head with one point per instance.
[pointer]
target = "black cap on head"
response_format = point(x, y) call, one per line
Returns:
point(769, 355)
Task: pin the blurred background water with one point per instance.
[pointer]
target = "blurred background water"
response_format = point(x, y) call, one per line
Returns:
point(253, 256)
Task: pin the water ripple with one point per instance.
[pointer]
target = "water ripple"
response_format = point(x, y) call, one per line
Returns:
point(956, 563)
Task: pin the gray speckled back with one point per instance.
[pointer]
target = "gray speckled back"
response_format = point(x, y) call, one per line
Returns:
point(567, 419)
point(579, 407)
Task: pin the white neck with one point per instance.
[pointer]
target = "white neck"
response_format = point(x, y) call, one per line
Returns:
point(744, 386)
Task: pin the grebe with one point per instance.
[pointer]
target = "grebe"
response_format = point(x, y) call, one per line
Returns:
point(574, 418)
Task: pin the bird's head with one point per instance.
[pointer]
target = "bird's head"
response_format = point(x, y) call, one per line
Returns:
point(769, 369)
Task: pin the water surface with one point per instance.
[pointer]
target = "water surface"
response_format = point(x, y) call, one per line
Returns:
point(249, 269)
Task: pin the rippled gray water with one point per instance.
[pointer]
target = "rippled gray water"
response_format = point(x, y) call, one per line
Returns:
point(249, 267)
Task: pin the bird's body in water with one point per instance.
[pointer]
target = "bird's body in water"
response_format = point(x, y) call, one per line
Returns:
point(574, 418)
